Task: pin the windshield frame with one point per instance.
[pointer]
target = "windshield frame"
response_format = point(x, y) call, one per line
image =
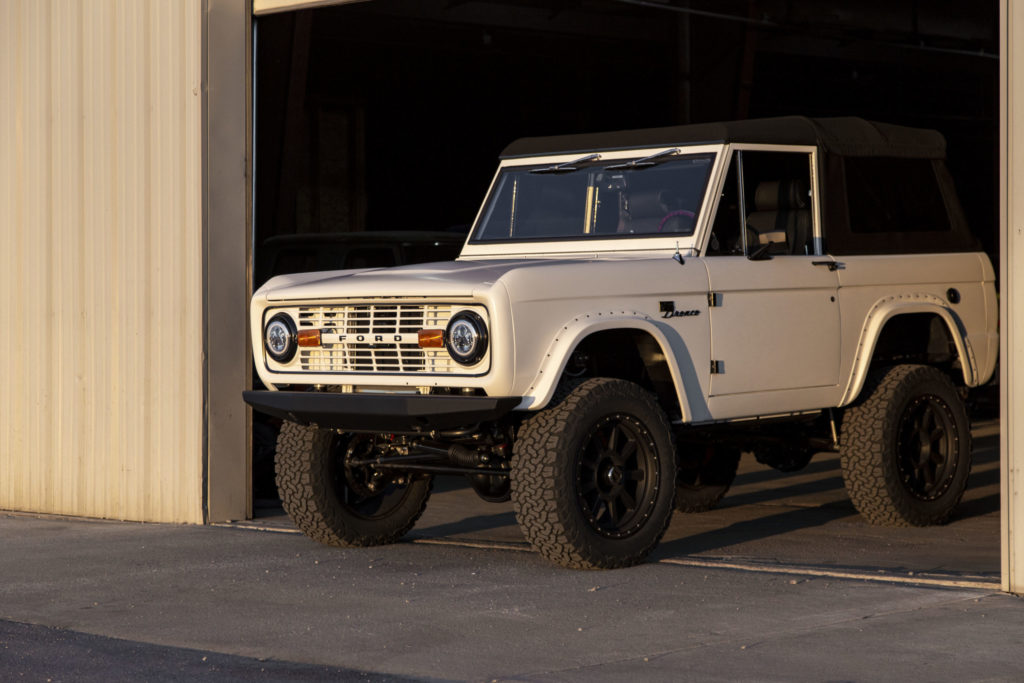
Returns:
point(611, 243)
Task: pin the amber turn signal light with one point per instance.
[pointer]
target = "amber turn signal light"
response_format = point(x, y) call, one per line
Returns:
point(309, 338)
point(431, 339)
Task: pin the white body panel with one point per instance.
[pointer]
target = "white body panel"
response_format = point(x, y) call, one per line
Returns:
point(776, 325)
point(876, 288)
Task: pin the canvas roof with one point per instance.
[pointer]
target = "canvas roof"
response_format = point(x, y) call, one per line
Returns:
point(846, 136)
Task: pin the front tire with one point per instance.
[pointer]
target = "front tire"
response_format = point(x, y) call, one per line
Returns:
point(905, 449)
point(593, 475)
point(339, 504)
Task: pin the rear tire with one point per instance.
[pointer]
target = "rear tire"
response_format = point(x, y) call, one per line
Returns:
point(705, 475)
point(593, 475)
point(905, 448)
point(338, 505)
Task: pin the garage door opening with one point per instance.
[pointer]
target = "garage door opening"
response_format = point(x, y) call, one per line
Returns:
point(378, 124)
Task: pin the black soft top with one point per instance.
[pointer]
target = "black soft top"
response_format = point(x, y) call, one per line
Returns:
point(846, 136)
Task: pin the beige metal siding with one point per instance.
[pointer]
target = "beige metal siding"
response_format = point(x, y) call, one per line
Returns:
point(1011, 220)
point(271, 6)
point(101, 401)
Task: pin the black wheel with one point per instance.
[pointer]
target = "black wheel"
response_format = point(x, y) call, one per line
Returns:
point(784, 457)
point(492, 488)
point(906, 448)
point(339, 503)
point(705, 474)
point(593, 475)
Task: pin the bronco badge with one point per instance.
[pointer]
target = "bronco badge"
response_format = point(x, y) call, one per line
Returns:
point(668, 310)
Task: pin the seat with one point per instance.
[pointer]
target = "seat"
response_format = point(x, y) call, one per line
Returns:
point(782, 217)
point(645, 211)
point(658, 210)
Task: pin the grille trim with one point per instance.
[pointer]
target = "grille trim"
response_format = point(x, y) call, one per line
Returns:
point(370, 338)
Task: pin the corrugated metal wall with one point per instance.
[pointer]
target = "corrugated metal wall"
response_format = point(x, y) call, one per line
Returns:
point(101, 389)
point(270, 6)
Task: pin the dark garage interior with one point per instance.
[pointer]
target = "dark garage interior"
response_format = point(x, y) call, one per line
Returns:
point(388, 116)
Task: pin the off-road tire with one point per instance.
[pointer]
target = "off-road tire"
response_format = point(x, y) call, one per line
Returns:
point(909, 426)
point(558, 471)
point(313, 492)
point(705, 475)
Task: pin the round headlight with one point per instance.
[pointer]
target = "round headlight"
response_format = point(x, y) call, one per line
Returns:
point(466, 338)
point(279, 338)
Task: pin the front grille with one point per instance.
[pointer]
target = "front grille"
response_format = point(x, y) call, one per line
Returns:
point(375, 318)
point(375, 338)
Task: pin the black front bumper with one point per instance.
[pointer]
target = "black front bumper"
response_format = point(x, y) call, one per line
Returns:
point(380, 412)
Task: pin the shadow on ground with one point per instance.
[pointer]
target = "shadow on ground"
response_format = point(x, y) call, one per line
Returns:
point(802, 518)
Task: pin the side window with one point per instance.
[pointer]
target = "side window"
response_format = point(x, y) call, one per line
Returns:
point(772, 193)
point(894, 196)
point(894, 205)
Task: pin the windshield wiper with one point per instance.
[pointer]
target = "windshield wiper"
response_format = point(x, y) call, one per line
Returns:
point(645, 162)
point(566, 166)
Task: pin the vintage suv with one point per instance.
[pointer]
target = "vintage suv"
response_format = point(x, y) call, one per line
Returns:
point(630, 312)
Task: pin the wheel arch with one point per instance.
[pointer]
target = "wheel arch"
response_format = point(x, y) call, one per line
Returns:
point(600, 334)
point(889, 313)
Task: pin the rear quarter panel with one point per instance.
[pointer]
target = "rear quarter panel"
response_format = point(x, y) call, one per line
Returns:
point(872, 289)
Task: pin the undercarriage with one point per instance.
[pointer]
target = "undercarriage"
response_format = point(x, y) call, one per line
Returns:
point(481, 453)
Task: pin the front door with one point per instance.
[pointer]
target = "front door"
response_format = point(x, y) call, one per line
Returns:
point(774, 324)
point(773, 297)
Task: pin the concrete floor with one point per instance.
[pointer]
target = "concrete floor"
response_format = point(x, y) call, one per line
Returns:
point(86, 600)
point(771, 587)
point(769, 520)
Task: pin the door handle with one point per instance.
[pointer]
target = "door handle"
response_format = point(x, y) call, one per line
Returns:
point(831, 265)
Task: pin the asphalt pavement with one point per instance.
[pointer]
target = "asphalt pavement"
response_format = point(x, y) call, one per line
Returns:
point(783, 583)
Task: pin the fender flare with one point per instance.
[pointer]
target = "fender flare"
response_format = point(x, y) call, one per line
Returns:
point(888, 308)
point(542, 387)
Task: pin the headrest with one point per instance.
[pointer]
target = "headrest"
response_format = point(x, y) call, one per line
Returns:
point(655, 202)
point(781, 195)
point(672, 199)
point(646, 203)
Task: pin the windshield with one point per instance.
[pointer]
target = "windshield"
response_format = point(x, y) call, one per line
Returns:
point(596, 199)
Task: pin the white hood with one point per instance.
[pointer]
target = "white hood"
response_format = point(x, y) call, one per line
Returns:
point(444, 279)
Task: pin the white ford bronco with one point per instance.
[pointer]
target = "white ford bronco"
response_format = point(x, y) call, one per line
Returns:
point(630, 312)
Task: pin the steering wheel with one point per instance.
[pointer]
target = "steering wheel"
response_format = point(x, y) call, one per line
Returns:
point(673, 214)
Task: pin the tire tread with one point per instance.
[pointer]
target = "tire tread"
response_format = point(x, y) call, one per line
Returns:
point(865, 436)
point(303, 480)
point(550, 521)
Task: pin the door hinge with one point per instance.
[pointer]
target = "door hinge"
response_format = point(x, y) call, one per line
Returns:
point(717, 367)
point(714, 299)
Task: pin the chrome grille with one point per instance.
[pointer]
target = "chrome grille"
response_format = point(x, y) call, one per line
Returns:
point(375, 318)
point(375, 338)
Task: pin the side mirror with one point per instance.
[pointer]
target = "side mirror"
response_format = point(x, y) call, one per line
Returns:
point(761, 254)
point(766, 240)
